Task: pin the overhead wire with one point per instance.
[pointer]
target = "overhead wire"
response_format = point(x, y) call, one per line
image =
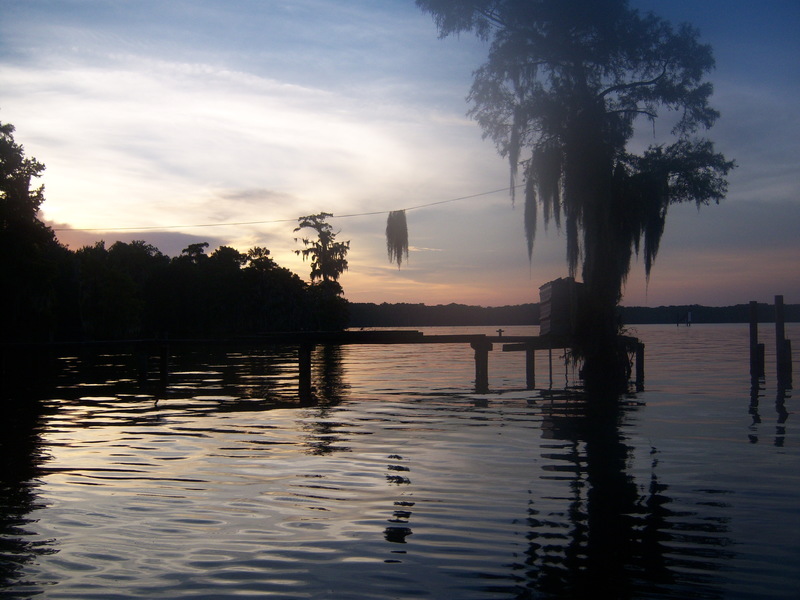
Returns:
point(271, 221)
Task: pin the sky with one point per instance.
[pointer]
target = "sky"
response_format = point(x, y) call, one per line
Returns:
point(225, 120)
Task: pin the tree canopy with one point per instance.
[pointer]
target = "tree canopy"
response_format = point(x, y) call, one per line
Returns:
point(328, 257)
point(29, 252)
point(560, 95)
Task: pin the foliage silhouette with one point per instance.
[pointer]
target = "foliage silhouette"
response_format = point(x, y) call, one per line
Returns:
point(328, 261)
point(560, 94)
point(30, 256)
point(328, 257)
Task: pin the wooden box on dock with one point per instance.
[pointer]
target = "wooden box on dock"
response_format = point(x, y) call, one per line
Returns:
point(558, 306)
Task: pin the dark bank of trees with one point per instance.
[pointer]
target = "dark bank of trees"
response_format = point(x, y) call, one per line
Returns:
point(421, 315)
point(738, 313)
point(132, 290)
point(560, 94)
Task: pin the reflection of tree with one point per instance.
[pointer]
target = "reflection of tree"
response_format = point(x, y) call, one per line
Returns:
point(329, 373)
point(324, 432)
point(20, 460)
point(613, 537)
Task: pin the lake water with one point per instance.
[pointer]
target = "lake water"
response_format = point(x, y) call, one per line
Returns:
point(398, 481)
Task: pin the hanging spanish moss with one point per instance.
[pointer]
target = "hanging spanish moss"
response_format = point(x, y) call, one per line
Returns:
point(397, 237)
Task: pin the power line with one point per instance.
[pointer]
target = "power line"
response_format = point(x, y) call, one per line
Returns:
point(227, 224)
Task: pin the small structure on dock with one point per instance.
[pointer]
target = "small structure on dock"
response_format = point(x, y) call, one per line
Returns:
point(559, 303)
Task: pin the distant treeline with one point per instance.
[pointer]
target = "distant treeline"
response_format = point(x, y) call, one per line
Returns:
point(420, 315)
point(739, 313)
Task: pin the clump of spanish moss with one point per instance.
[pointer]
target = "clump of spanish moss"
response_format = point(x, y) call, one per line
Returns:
point(397, 237)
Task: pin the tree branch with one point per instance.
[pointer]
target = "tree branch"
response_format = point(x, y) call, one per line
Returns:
point(492, 17)
point(634, 84)
point(639, 111)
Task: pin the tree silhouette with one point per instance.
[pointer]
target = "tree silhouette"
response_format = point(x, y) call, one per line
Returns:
point(328, 257)
point(560, 94)
point(328, 261)
point(259, 259)
point(19, 204)
point(30, 256)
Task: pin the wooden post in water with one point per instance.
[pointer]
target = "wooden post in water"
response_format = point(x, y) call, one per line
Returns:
point(787, 364)
point(530, 367)
point(783, 347)
point(756, 349)
point(481, 366)
point(639, 366)
point(780, 340)
point(304, 360)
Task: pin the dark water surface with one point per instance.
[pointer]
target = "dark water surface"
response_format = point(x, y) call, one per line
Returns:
point(398, 482)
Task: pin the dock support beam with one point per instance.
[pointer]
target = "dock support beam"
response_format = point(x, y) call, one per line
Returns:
point(756, 349)
point(639, 366)
point(530, 367)
point(783, 347)
point(481, 366)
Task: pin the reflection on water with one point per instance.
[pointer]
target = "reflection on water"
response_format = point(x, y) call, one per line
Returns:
point(757, 391)
point(21, 456)
point(394, 481)
point(622, 536)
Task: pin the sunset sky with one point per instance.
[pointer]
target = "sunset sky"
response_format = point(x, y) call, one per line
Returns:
point(223, 121)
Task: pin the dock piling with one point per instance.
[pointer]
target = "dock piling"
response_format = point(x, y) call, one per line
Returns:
point(783, 347)
point(481, 366)
point(530, 367)
point(756, 349)
point(786, 372)
point(640, 366)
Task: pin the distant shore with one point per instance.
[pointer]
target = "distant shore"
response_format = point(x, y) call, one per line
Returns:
point(421, 315)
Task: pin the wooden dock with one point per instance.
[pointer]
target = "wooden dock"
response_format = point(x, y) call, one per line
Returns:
point(481, 344)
